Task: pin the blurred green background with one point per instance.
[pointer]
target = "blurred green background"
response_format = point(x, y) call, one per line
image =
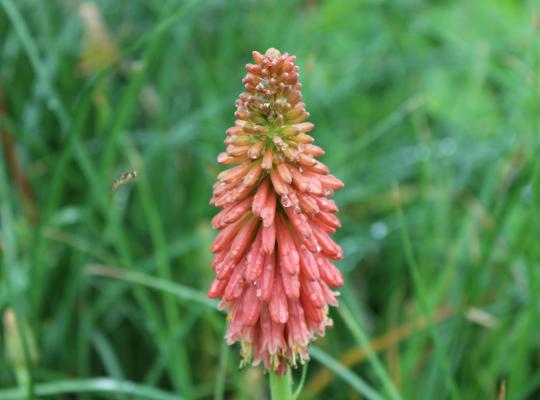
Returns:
point(428, 110)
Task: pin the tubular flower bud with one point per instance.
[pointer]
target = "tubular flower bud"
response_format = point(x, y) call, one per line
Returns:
point(274, 254)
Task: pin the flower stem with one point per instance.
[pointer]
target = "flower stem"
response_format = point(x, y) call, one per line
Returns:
point(281, 386)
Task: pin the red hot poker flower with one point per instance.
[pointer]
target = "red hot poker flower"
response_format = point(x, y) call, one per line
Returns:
point(273, 255)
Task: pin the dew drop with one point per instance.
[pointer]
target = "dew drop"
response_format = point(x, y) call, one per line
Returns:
point(285, 201)
point(300, 169)
point(328, 192)
point(318, 249)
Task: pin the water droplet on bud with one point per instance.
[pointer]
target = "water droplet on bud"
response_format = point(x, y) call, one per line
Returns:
point(285, 201)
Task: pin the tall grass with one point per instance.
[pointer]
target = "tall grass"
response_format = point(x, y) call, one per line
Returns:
point(428, 110)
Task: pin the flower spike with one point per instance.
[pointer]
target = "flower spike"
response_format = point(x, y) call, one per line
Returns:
point(273, 255)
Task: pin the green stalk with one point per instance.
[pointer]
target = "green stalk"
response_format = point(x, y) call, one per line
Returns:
point(281, 386)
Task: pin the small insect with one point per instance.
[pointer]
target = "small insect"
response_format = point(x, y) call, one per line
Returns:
point(125, 178)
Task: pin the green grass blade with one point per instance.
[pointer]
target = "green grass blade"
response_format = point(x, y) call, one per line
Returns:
point(300, 385)
point(14, 296)
point(96, 385)
point(373, 359)
point(346, 374)
point(180, 291)
point(32, 50)
point(219, 389)
point(108, 356)
point(422, 298)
